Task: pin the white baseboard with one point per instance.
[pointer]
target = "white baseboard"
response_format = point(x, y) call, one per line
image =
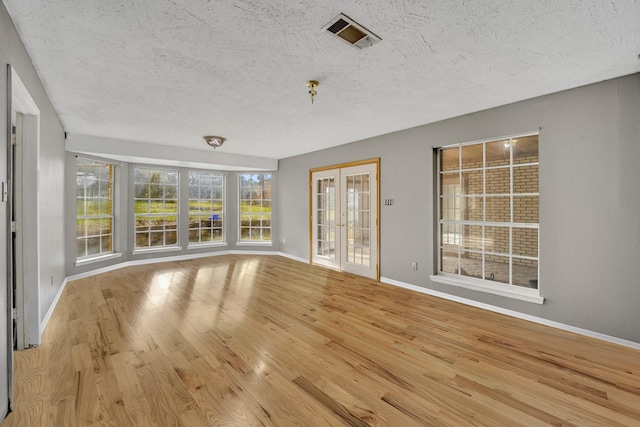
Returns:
point(512, 313)
point(47, 316)
point(293, 257)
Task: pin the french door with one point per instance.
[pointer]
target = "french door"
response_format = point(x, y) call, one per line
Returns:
point(344, 218)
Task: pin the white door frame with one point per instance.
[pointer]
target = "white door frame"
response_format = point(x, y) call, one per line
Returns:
point(339, 172)
point(27, 219)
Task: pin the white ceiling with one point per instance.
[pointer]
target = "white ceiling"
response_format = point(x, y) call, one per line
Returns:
point(169, 72)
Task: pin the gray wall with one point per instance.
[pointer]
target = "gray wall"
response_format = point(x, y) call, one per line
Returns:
point(124, 235)
point(50, 221)
point(589, 201)
point(51, 175)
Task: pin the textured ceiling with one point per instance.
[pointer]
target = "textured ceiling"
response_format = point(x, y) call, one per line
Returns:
point(168, 72)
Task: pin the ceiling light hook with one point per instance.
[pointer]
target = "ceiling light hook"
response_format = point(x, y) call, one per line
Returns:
point(312, 85)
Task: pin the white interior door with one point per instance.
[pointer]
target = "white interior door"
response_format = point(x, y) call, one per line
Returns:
point(344, 219)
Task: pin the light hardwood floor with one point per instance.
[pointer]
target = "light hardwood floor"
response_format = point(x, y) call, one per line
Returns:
point(264, 340)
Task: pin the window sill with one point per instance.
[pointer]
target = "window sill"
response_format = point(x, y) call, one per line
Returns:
point(98, 258)
point(156, 249)
point(256, 243)
point(206, 245)
point(523, 294)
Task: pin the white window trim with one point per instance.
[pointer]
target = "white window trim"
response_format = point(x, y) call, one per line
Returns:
point(254, 243)
point(496, 288)
point(206, 245)
point(155, 249)
point(99, 258)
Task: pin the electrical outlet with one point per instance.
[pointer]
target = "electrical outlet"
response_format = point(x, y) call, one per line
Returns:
point(51, 279)
point(284, 241)
point(414, 265)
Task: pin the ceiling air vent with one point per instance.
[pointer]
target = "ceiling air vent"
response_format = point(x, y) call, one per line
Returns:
point(349, 31)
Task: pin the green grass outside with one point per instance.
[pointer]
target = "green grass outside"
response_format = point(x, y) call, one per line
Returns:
point(168, 210)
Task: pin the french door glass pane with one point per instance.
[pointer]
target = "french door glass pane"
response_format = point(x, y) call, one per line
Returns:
point(325, 218)
point(358, 209)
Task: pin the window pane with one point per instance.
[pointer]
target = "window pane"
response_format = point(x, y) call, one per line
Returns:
point(525, 149)
point(473, 182)
point(105, 207)
point(156, 238)
point(525, 242)
point(498, 181)
point(80, 206)
point(496, 268)
point(141, 191)
point(525, 273)
point(93, 245)
point(81, 228)
point(142, 223)
point(105, 189)
point(498, 209)
point(449, 261)
point(450, 184)
point(525, 209)
point(450, 208)
point(472, 208)
point(171, 238)
point(450, 237)
point(105, 226)
point(81, 250)
point(142, 240)
point(471, 265)
point(498, 153)
point(472, 156)
point(472, 237)
point(106, 244)
point(168, 206)
point(525, 179)
point(496, 240)
point(450, 159)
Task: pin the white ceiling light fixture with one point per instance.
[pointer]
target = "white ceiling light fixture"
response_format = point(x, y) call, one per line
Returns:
point(350, 32)
point(214, 141)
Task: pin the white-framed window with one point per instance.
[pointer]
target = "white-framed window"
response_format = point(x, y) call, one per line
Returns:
point(488, 226)
point(94, 208)
point(155, 206)
point(255, 207)
point(206, 207)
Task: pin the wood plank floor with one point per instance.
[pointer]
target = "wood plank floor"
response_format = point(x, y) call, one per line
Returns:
point(250, 340)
